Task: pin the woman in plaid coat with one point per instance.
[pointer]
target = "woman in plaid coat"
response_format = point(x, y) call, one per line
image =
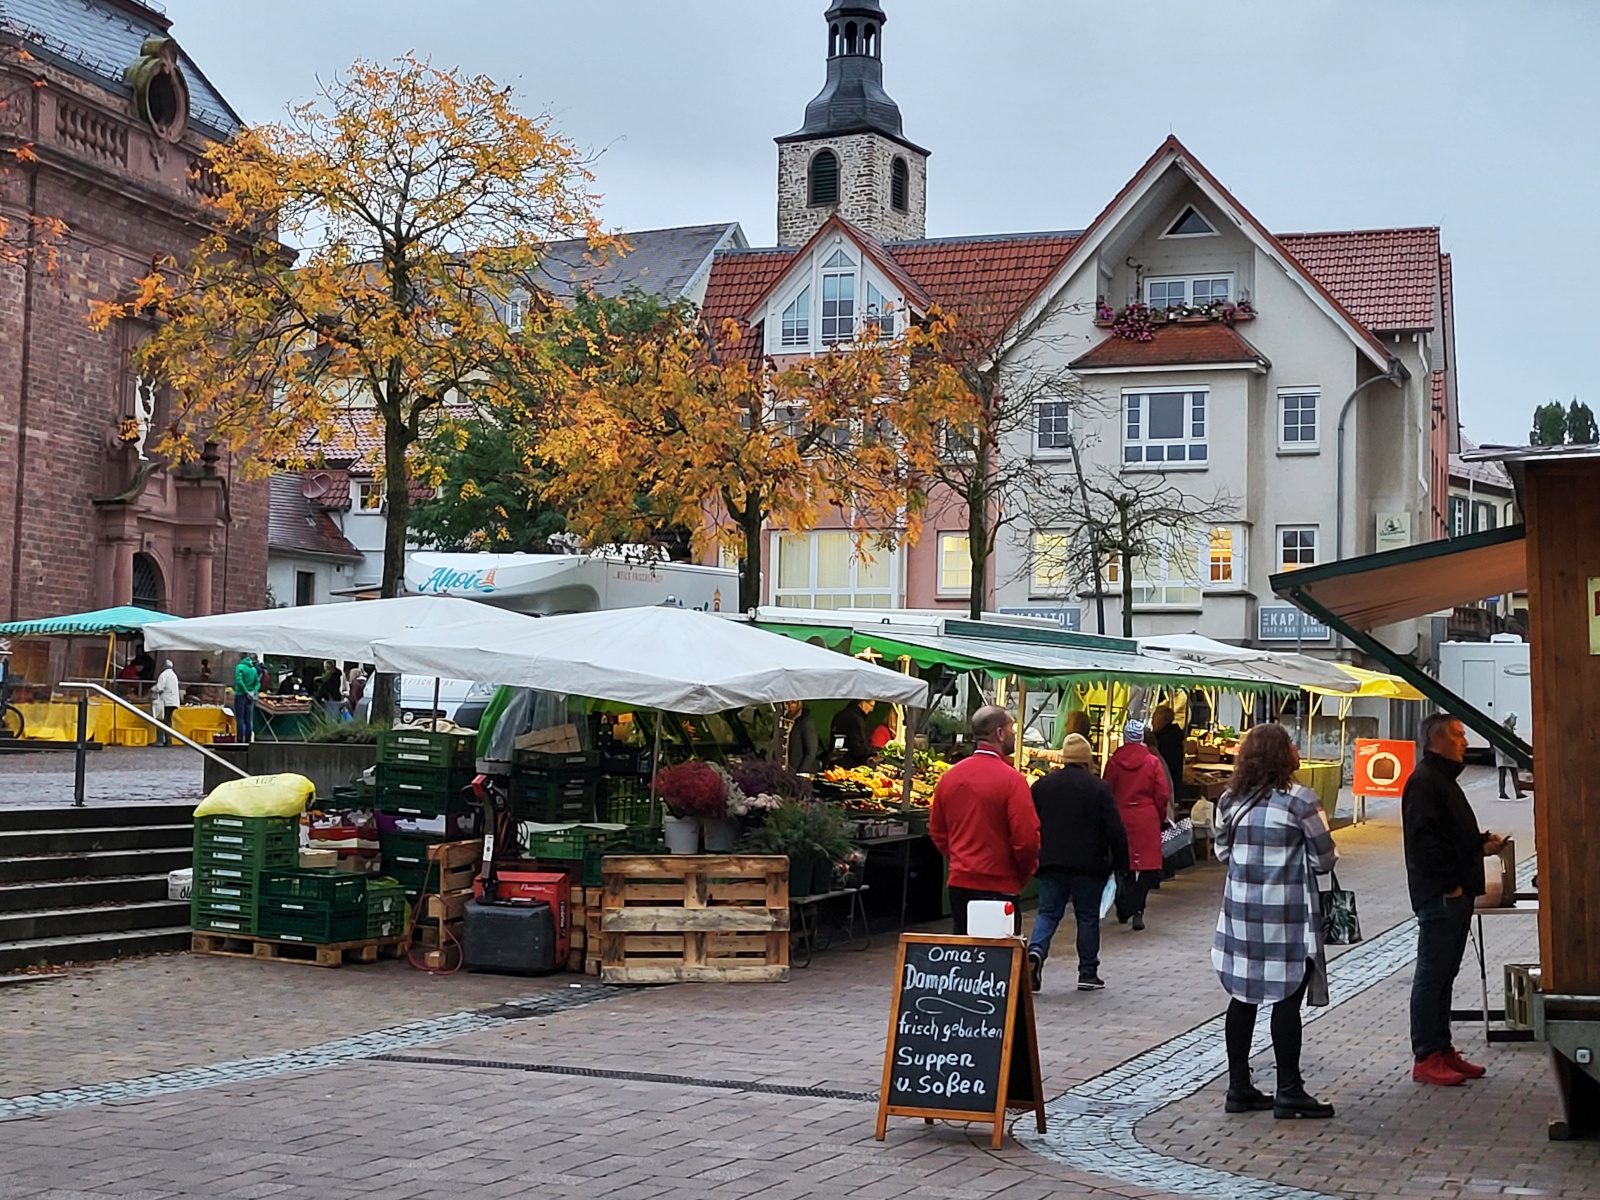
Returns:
point(1268, 948)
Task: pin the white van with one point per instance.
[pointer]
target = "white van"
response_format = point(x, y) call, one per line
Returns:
point(1494, 677)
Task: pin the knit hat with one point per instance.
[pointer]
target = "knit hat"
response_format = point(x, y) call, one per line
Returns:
point(1133, 731)
point(1075, 749)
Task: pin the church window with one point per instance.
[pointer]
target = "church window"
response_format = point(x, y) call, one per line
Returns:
point(797, 320)
point(825, 178)
point(838, 305)
point(900, 186)
point(880, 312)
point(1190, 224)
point(147, 589)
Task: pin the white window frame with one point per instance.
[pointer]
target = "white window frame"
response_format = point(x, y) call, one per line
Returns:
point(1180, 571)
point(889, 311)
point(852, 592)
point(948, 544)
point(1459, 516)
point(1316, 546)
point(848, 321)
point(1047, 583)
point(1298, 394)
point(1188, 282)
point(1040, 416)
point(1239, 564)
point(1211, 229)
point(516, 312)
point(372, 489)
point(1136, 416)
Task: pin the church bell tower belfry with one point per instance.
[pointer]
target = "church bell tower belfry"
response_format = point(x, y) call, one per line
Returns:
point(851, 156)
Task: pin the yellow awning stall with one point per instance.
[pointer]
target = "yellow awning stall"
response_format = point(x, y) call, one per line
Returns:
point(1373, 683)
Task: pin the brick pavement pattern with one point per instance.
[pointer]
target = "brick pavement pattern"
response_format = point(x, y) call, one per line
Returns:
point(409, 1129)
point(113, 775)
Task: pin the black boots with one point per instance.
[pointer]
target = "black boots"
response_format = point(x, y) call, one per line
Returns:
point(1243, 1095)
point(1293, 1103)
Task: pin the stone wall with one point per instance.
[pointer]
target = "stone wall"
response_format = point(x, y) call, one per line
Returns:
point(865, 163)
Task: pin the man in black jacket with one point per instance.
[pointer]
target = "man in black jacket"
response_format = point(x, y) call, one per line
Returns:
point(1445, 850)
point(851, 744)
point(1081, 842)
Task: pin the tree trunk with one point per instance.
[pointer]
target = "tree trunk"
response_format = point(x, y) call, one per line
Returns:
point(1125, 553)
point(750, 567)
point(397, 521)
point(978, 531)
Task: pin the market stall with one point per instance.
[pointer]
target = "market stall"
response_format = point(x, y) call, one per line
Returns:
point(89, 645)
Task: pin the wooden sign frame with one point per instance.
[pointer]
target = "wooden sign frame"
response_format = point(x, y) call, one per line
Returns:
point(1021, 1041)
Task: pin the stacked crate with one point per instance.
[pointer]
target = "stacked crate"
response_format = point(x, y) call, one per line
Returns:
point(585, 952)
point(230, 853)
point(555, 789)
point(423, 774)
point(386, 909)
point(319, 907)
point(406, 861)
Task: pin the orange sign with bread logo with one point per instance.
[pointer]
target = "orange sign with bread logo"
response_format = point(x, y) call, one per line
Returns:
point(1382, 766)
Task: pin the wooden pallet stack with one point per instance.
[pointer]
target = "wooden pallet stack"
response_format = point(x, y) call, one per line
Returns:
point(707, 918)
point(438, 926)
point(585, 953)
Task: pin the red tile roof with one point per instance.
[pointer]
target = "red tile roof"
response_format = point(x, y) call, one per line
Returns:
point(296, 523)
point(1386, 278)
point(1179, 345)
point(739, 278)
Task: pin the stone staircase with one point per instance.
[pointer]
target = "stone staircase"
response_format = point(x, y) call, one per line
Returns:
point(81, 884)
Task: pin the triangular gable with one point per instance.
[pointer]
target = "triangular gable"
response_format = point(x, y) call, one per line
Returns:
point(870, 248)
point(1173, 153)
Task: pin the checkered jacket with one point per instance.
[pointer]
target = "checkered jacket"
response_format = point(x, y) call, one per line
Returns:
point(1275, 844)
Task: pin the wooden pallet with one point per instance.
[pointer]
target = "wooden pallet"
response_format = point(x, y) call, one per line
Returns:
point(331, 954)
point(438, 927)
point(706, 918)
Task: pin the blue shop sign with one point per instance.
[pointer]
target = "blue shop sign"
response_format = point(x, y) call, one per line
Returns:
point(1289, 625)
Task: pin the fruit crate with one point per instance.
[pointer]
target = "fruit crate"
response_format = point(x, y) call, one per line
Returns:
point(625, 761)
point(223, 917)
point(555, 803)
point(341, 889)
point(228, 876)
point(255, 826)
point(309, 921)
point(405, 859)
point(247, 842)
point(226, 889)
point(627, 800)
point(416, 747)
point(573, 763)
point(386, 908)
point(247, 861)
point(431, 782)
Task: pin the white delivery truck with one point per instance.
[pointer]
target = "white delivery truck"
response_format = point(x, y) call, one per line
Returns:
point(549, 585)
point(1494, 678)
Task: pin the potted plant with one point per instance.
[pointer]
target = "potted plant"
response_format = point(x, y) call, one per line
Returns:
point(812, 836)
point(721, 832)
point(692, 791)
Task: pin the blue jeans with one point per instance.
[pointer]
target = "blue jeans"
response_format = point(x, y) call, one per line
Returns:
point(1083, 892)
point(1443, 924)
point(244, 708)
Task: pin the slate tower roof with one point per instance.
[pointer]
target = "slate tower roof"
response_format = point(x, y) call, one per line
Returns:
point(853, 100)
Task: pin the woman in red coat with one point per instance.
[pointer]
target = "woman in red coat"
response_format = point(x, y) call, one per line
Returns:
point(1139, 783)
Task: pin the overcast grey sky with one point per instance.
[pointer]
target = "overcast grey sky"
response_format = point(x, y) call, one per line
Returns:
point(1475, 115)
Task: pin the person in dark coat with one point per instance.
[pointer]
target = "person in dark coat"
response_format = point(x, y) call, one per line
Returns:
point(850, 726)
point(1139, 782)
point(1081, 843)
point(1445, 850)
point(794, 742)
point(1167, 738)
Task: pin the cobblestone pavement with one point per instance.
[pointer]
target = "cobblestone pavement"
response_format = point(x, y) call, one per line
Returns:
point(113, 775)
point(670, 1115)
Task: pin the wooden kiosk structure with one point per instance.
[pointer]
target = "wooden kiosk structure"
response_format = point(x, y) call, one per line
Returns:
point(1555, 556)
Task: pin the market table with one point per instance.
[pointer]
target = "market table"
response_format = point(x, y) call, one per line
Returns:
point(1487, 1014)
point(807, 905)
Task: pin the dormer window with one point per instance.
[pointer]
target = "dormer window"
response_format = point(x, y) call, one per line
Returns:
point(1190, 224)
point(880, 312)
point(797, 320)
point(838, 299)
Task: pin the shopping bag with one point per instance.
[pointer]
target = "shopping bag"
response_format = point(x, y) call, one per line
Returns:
point(1341, 926)
point(1108, 896)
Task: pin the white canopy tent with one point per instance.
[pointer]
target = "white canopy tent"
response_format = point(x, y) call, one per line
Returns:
point(337, 631)
point(1293, 670)
point(672, 659)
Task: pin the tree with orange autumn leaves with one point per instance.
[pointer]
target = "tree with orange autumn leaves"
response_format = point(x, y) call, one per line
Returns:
point(37, 239)
point(423, 197)
point(681, 428)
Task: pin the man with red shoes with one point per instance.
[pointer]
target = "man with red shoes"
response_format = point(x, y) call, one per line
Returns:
point(984, 821)
point(1445, 850)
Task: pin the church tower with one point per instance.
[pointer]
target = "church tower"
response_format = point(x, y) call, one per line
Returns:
point(851, 156)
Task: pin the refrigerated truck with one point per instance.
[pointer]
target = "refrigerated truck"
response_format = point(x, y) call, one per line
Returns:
point(1494, 678)
point(548, 585)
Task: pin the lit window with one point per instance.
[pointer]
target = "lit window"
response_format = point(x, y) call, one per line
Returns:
point(1220, 555)
point(880, 312)
point(1168, 577)
point(797, 320)
point(1297, 547)
point(1161, 429)
point(1297, 427)
point(1054, 431)
point(824, 570)
point(1050, 563)
point(955, 563)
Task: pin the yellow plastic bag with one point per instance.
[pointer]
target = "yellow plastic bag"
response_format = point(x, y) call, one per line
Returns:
point(259, 796)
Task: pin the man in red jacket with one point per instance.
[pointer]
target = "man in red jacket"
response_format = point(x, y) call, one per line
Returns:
point(984, 821)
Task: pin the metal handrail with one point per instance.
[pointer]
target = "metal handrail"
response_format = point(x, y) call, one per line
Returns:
point(83, 732)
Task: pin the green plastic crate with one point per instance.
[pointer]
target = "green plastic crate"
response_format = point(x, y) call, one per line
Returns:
point(212, 917)
point(555, 803)
point(246, 861)
point(627, 800)
point(575, 762)
point(225, 888)
point(417, 747)
point(389, 925)
point(255, 826)
point(309, 921)
point(246, 843)
point(225, 876)
point(341, 889)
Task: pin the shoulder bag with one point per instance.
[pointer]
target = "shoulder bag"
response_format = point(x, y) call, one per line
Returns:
point(1341, 926)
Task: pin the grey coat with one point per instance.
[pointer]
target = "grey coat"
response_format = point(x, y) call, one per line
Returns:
point(1275, 844)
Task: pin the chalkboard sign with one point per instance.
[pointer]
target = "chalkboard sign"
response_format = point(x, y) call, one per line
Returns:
point(961, 1040)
